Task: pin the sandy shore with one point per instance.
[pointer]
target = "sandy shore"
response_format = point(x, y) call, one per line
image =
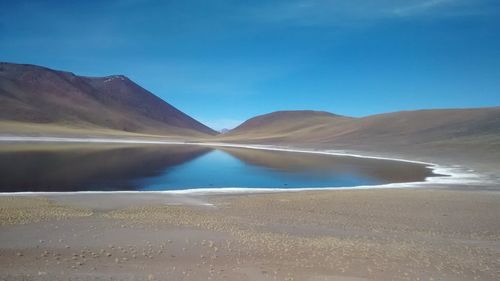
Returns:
point(384, 234)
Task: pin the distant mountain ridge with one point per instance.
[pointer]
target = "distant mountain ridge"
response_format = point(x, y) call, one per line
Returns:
point(39, 95)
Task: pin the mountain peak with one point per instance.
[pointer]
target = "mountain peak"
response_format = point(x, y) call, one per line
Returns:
point(300, 113)
point(115, 77)
point(36, 94)
point(285, 120)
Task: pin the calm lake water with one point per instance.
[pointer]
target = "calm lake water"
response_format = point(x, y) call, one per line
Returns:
point(95, 167)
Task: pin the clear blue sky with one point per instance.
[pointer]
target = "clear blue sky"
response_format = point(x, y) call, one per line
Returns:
point(225, 61)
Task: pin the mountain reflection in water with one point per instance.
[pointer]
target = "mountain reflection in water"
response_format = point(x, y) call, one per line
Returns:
point(99, 167)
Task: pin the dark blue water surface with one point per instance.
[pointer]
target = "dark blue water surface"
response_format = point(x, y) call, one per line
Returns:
point(71, 167)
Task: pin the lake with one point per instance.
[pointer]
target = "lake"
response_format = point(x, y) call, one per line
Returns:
point(106, 167)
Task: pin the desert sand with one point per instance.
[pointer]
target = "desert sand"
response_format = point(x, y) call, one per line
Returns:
point(383, 234)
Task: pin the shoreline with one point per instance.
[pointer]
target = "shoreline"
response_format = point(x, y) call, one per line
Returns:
point(443, 175)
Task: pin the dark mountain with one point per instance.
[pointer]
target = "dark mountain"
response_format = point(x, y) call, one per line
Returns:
point(36, 95)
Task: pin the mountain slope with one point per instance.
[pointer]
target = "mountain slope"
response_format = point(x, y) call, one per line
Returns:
point(36, 95)
point(282, 124)
point(452, 135)
point(406, 127)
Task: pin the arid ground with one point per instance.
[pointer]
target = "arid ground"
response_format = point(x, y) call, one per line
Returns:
point(383, 234)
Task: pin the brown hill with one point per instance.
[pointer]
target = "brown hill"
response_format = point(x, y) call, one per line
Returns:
point(450, 134)
point(283, 124)
point(47, 98)
point(406, 127)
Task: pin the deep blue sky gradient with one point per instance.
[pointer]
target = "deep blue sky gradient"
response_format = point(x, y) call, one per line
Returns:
point(225, 61)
